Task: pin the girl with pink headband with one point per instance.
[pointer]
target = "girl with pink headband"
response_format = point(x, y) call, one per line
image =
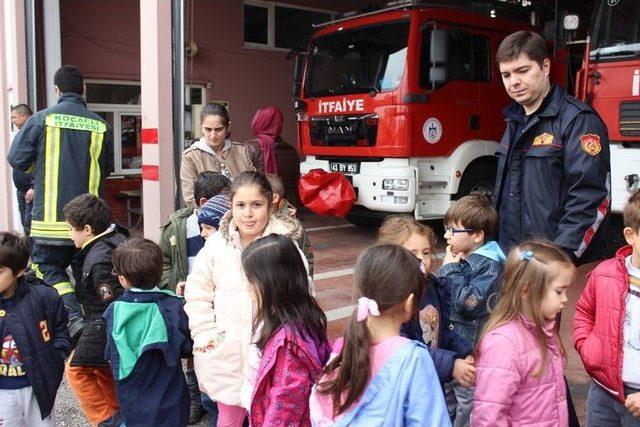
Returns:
point(375, 376)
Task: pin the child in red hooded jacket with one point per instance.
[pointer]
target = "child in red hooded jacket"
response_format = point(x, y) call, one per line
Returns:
point(606, 330)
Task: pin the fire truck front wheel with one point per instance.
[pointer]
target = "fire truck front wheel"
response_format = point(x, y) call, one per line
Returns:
point(479, 177)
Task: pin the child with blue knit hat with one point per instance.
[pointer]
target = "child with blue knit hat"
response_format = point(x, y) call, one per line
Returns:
point(211, 213)
point(209, 216)
point(181, 241)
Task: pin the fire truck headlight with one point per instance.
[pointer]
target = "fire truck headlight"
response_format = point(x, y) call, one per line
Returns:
point(395, 184)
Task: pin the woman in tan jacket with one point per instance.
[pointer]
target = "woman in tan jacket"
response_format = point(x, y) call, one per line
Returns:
point(213, 152)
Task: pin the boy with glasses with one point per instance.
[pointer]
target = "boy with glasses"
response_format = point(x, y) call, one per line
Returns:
point(470, 272)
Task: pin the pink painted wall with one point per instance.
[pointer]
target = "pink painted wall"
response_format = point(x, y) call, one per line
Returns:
point(102, 38)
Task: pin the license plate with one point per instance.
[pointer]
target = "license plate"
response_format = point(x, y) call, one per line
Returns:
point(345, 167)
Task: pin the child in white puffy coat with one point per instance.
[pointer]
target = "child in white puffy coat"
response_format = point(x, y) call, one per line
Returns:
point(218, 298)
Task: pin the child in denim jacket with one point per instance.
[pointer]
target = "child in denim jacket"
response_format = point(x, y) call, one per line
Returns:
point(450, 352)
point(471, 270)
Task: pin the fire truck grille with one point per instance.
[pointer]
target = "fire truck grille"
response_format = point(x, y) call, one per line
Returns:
point(344, 131)
point(630, 118)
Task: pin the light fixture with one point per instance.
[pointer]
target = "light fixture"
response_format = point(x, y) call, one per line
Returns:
point(571, 22)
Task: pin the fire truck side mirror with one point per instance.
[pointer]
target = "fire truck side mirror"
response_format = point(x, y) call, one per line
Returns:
point(297, 74)
point(438, 57)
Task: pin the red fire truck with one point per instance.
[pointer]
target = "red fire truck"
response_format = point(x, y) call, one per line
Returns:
point(407, 102)
point(609, 80)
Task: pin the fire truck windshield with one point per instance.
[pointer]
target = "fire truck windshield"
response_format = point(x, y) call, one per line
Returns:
point(616, 32)
point(360, 60)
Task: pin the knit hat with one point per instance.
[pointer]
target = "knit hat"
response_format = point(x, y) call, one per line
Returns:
point(213, 210)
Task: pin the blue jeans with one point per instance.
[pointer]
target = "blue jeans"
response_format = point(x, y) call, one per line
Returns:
point(459, 402)
point(212, 409)
point(604, 410)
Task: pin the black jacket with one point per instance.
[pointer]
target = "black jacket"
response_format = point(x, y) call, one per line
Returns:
point(553, 179)
point(450, 345)
point(38, 324)
point(68, 149)
point(22, 180)
point(97, 286)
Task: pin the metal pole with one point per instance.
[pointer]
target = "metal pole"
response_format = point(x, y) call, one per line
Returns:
point(30, 17)
point(6, 196)
point(555, 33)
point(178, 93)
point(52, 46)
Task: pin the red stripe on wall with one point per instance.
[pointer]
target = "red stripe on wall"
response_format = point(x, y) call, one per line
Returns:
point(150, 172)
point(149, 136)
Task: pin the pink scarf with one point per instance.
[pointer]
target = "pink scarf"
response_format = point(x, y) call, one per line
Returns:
point(267, 125)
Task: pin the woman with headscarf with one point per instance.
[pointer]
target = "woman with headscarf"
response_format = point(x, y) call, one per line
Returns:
point(279, 157)
point(266, 126)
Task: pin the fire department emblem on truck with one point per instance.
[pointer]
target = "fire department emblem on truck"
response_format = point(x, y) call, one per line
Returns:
point(432, 130)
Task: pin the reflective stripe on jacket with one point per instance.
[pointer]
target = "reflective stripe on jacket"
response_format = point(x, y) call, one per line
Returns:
point(553, 178)
point(69, 150)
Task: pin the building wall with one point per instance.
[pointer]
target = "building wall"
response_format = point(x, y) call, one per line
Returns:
point(102, 38)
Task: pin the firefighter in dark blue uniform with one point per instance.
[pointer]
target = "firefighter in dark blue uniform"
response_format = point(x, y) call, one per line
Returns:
point(68, 150)
point(553, 179)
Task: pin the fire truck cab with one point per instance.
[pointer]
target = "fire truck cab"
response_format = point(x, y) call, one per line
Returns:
point(609, 81)
point(407, 103)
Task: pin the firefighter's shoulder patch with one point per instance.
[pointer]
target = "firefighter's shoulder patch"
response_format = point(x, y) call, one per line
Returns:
point(591, 143)
point(544, 139)
point(105, 292)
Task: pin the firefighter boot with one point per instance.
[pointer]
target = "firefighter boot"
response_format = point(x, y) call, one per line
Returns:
point(196, 411)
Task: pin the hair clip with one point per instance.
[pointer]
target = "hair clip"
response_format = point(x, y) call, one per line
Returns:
point(422, 269)
point(526, 256)
point(366, 307)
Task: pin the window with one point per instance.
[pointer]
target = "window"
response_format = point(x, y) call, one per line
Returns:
point(113, 93)
point(194, 99)
point(256, 24)
point(194, 94)
point(360, 60)
point(127, 146)
point(616, 32)
point(275, 25)
point(119, 104)
point(468, 57)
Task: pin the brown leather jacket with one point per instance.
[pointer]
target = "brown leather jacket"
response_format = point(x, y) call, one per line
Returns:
point(256, 154)
point(199, 158)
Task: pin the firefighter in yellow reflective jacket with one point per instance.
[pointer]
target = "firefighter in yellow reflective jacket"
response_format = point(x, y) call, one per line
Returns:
point(69, 151)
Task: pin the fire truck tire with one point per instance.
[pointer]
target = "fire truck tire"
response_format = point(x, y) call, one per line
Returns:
point(365, 218)
point(480, 176)
point(364, 222)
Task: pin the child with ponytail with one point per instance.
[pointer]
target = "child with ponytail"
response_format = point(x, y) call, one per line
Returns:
point(376, 376)
point(520, 358)
point(451, 353)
